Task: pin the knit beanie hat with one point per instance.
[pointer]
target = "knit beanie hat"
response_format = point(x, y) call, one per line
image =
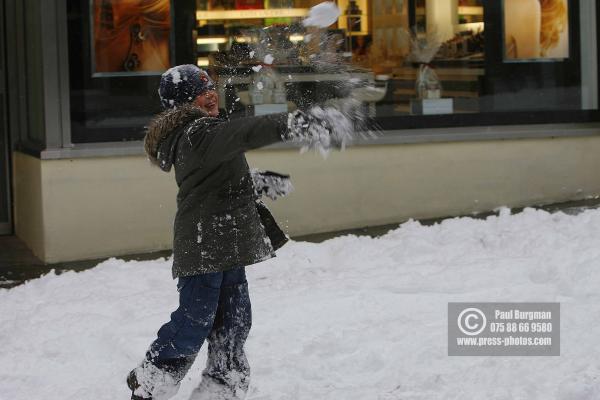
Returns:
point(182, 84)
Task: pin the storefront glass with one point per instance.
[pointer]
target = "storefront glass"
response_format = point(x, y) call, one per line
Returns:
point(413, 63)
point(117, 51)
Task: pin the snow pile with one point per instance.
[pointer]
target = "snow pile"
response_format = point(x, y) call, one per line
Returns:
point(352, 318)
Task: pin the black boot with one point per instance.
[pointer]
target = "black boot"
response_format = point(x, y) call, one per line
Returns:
point(157, 379)
point(133, 384)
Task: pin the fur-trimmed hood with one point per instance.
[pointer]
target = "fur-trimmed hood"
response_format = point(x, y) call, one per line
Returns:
point(162, 129)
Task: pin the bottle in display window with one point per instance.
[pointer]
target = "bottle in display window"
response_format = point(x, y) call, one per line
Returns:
point(354, 16)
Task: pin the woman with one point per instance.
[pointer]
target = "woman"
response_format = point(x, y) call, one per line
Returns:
point(533, 28)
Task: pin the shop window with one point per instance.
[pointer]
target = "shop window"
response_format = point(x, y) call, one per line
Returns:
point(419, 63)
point(432, 62)
point(117, 51)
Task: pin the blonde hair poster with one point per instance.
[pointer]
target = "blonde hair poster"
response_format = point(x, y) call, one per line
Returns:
point(130, 37)
point(536, 30)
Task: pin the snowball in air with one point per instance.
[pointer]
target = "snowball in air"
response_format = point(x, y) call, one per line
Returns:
point(269, 59)
point(322, 15)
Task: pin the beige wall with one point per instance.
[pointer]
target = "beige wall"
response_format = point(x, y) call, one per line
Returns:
point(92, 207)
point(27, 201)
point(95, 207)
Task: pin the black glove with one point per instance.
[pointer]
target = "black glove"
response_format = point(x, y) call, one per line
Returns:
point(271, 184)
point(304, 127)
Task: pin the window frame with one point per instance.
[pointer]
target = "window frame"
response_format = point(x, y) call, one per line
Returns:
point(481, 126)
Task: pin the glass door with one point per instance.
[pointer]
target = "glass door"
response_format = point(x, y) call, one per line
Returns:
point(5, 208)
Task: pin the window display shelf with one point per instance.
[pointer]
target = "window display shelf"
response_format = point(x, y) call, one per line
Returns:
point(469, 26)
point(287, 77)
point(217, 15)
point(470, 10)
point(211, 40)
point(470, 18)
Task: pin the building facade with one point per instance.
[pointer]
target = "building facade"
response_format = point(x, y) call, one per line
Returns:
point(476, 104)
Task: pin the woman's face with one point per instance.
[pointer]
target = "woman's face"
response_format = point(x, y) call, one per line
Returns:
point(209, 102)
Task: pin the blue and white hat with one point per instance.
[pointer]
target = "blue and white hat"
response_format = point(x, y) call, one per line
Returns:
point(182, 84)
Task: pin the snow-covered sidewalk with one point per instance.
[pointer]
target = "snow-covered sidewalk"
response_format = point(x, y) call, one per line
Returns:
point(353, 318)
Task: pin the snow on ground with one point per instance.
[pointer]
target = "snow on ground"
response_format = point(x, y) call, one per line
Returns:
point(353, 318)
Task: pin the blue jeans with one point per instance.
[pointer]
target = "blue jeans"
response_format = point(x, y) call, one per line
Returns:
point(215, 307)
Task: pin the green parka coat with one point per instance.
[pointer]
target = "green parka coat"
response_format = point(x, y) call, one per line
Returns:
point(220, 222)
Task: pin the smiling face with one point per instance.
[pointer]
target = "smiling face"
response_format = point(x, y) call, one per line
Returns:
point(209, 102)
